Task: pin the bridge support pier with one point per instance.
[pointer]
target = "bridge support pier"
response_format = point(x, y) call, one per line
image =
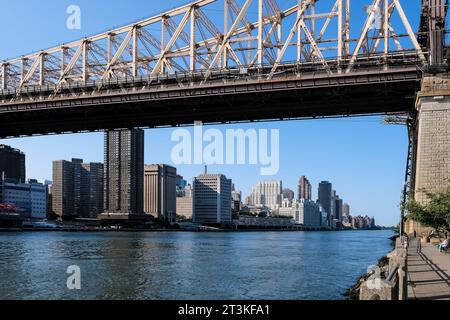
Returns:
point(432, 165)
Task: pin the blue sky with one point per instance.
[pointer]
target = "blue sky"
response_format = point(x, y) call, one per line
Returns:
point(364, 159)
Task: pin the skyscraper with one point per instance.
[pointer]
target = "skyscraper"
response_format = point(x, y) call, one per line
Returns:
point(304, 189)
point(304, 212)
point(288, 194)
point(345, 210)
point(333, 206)
point(212, 199)
point(63, 188)
point(77, 188)
point(94, 180)
point(185, 203)
point(308, 213)
point(49, 185)
point(236, 199)
point(181, 183)
point(346, 219)
point(160, 191)
point(12, 163)
point(324, 199)
point(124, 172)
point(267, 193)
point(338, 208)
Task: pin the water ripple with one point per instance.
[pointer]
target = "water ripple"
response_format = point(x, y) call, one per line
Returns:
point(265, 265)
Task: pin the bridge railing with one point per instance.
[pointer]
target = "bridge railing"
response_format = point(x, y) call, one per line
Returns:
point(393, 285)
point(311, 69)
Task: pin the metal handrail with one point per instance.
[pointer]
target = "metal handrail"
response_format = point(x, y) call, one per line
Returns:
point(392, 274)
point(217, 75)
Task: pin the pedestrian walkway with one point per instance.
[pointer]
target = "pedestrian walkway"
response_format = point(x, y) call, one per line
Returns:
point(428, 273)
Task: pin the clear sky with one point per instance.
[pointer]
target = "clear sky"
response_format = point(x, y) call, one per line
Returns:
point(364, 159)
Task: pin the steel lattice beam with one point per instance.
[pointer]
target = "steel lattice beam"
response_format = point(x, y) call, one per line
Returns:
point(190, 41)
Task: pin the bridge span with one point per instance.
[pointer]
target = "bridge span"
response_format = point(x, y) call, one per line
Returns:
point(230, 96)
point(308, 59)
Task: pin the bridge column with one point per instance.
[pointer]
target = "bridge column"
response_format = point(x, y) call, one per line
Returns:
point(432, 170)
point(4, 79)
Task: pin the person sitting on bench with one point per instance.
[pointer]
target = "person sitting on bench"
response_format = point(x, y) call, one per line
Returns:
point(443, 245)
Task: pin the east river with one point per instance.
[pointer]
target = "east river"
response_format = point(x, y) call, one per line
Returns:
point(183, 265)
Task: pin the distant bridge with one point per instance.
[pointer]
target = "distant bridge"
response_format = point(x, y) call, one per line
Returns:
point(259, 61)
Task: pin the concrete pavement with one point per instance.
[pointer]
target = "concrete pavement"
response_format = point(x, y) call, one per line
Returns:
point(428, 273)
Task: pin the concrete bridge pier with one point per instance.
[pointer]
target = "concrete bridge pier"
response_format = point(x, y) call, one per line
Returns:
point(431, 165)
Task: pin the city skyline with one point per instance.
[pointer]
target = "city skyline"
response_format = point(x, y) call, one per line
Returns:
point(290, 180)
point(270, 194)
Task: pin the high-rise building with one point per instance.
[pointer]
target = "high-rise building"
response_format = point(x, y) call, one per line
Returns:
point(338, 208)
point(369, 223)
point(333, 206)
point(236, 196)
point(49, 185)
point(360, 222)
point(77, 189)
point(324, 217)
point(124, 172)
point(181, 183)
point(288, 194)
point(38, 199)
point(185, 204)
point(93, 178)
point(304, 212)
point(308, 213)
point(63, 188)
point(345, 210)
point(160, 191)
point(325, 193)
point(267, 193)
point(304, 189)
point(29, 199)
point(185, 207)
point(12, 163)
point(212, 199)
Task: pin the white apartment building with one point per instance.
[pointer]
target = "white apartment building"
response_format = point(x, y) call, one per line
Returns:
point(212, 199)
point(267, 193)
point(29, 198)
point(303, 211)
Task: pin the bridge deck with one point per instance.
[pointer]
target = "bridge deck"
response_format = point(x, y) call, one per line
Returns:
point(236, 97)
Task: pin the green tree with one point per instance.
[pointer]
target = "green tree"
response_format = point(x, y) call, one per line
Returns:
point(435, 213)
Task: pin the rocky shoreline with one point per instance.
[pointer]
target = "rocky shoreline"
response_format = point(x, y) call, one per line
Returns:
point(352, 293)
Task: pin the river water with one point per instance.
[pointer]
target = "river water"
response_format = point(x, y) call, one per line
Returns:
point(178, 265)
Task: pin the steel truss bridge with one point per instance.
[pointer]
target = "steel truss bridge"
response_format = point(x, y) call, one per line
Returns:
point(221, 61)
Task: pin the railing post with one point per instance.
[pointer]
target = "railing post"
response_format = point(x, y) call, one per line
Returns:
point(398, 259)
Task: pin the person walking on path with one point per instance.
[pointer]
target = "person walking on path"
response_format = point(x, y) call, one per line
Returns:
point(419, 246)
point(405, 243)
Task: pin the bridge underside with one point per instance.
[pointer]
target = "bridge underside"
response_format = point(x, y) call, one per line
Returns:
point(234, 101)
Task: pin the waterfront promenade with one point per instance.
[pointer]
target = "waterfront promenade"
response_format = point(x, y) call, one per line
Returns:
point(428, 273)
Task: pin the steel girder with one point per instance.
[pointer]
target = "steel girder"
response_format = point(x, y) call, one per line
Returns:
point(191, 39)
